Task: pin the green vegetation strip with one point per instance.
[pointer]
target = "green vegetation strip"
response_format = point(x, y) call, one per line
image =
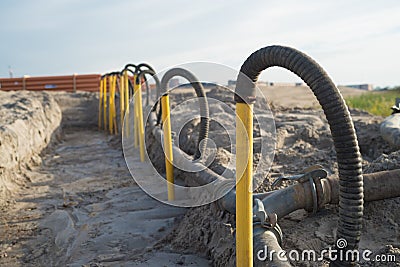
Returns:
point(377, 103)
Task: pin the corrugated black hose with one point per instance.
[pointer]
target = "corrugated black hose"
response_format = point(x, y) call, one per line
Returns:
point(204, 111)
point(149, 70)
point(340, 122)
point(142, 73)
point(133, 72)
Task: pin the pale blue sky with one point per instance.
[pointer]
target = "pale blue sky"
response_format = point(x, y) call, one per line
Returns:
point(355, 41)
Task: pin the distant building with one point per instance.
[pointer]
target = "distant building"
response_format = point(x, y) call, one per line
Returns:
point(366, 86)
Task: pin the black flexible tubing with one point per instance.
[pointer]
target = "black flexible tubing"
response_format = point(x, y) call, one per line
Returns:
point(340, 122)
point(203, 103)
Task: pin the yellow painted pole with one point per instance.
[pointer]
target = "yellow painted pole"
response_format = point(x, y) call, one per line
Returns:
point(105, 83)
point(122, 99)
point(100, 103)
point(126, 102)
point(135, 114)
point(140, 127)
point(114, 107)
point(244, 174)
point(169, 168)
point(110, 120)
point(110, 115)
point(111, 105)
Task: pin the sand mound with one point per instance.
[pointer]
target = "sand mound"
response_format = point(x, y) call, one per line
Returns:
point(28, 121)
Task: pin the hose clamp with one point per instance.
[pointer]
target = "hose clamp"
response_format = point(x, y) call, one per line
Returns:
point(268, 221)
point(310, 174)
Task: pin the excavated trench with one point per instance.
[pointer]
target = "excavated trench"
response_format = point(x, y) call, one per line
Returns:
point(76, 203)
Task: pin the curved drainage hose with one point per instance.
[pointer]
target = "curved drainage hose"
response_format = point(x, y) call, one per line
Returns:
point(128, 66)
point(145, 65)
point(130, 84)
point(142, 73)
point(340, 122)
point(148, 70)
point(133, 72)
point(204, 111)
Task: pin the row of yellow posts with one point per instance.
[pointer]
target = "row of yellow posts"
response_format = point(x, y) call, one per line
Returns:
point(115, 81)
point(108, 86)
point(121, 82)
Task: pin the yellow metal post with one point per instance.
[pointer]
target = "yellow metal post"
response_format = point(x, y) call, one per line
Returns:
point(244, 174)
point(140, 123)
point(110, 105)
point(110, 120)
point(113, 127)
point(121, 99)
point(135, 114)
point(105, 83)
point(169, 168)
point(114, 117)
point(126, 80)
point(100, 103)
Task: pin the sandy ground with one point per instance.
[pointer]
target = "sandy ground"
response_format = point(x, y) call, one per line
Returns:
point(299, 96)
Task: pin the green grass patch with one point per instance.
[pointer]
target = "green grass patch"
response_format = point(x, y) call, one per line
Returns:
point(377, 103)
